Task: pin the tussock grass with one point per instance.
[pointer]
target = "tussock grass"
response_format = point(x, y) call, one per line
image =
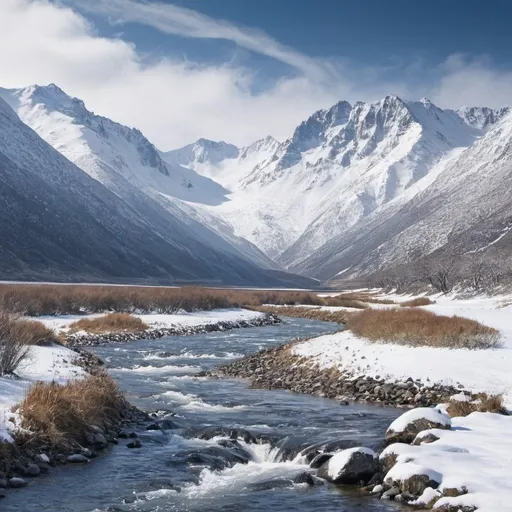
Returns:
point(414, 303)
point(417, 327)
point(339, 317)
point(344, 302)
point(483, 403)
point(113, 322)
point(61, 415)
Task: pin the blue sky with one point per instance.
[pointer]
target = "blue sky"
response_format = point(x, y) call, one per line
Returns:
point(241, 69)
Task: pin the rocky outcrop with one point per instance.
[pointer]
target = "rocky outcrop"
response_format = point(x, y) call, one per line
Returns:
point(86, 339)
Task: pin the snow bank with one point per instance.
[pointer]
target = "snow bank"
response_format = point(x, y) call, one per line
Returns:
point(155, 320)
point(474, 457)
point(47, 364)
point(358, 356)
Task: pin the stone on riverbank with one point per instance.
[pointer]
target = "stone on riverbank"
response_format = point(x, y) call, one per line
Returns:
point(82, 339)
point(407, 426)
point(412, 478)
point(279, 368)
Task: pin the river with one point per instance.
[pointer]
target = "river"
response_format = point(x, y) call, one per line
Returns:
point(174, 470)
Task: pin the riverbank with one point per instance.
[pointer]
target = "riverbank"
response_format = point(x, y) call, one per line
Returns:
point(160, 325)
point(59, 409)
point(35, 435)
point(462, 468)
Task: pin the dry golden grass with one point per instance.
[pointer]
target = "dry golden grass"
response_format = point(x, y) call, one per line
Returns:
point(344, 302)
point(417, 327)
point(61, 415)
point(414, 303)
point(36, 333)
point(35, 300)
point(113, 322)
point(483, 403)
point(339, 317)
point(368, 297)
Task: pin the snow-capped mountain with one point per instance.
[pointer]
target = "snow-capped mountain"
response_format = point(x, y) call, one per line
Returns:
point(124, 161)
point(60, 222)
point(340, 166)
point(482, 117)
point(466, 210)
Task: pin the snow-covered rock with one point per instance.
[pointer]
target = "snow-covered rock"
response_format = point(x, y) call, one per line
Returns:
point(350, 466)
point(413, 478)
point(407, 426)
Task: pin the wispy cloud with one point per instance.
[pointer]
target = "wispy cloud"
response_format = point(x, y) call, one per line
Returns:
point(175, 102)
point(177, 20)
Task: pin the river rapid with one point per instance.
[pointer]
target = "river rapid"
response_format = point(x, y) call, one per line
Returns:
point(223, 447)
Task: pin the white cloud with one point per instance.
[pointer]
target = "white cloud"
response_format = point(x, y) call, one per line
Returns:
point(177, 20)
point(175, 102)
point(472, 81)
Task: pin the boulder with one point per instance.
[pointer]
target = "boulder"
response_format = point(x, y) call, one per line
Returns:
point(407, 426)
point(350, 466)
point(134, 444)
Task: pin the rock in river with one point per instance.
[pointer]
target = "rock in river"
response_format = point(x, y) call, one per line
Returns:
point(350, 466)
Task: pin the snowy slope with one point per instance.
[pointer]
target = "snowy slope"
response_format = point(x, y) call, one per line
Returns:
point(59, 223)
point(466, 209)
point(124, 161)
point(341, 166)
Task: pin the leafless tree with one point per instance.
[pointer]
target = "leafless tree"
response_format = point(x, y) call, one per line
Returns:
point(441, 273)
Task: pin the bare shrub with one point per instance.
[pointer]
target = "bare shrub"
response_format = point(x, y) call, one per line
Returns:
point(418, 327)
point(414, 303)
point(61, 415)
point(13, 347)
point(16, 337)
point(483, 403)
point(113, 322)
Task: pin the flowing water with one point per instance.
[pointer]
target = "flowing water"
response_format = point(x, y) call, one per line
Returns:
point(177, 470)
